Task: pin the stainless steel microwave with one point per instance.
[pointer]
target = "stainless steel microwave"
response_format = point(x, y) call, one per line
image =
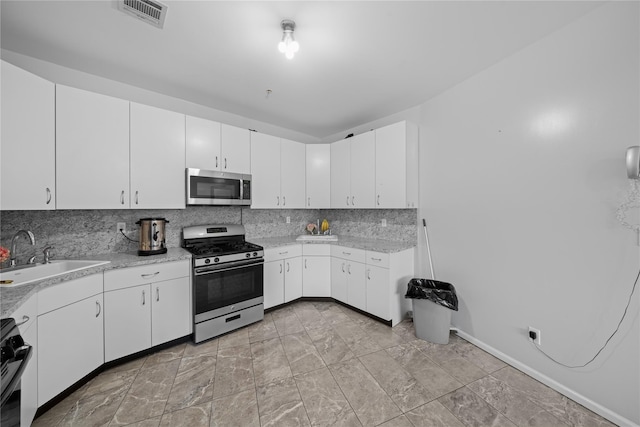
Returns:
point(206, 187)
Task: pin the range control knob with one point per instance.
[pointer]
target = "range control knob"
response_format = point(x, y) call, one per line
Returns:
point(255, 254)
point(207, 261)
point(216, 259)
point(248, 255)
point(15, 341)
point(6, 354)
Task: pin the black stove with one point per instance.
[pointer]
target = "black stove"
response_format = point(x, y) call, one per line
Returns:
point(14, 356)
point(219, 244)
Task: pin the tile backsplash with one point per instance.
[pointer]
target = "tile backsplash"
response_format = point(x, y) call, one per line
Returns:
point(75, 233)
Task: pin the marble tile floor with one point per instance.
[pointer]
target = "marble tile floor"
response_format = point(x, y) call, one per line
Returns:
point(318, 364)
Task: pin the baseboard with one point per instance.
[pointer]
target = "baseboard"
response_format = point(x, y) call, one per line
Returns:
point(560, 388)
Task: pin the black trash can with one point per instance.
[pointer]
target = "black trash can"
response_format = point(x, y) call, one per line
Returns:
point(433, 302)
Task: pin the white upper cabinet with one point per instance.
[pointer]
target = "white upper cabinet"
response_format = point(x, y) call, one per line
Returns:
point(28, 141)
point(292, 174)
point(277, 169)
point(157, 158)
point(236, 149)
point(353, 172)
point(265, 171)
point(92, 150)
point(397, 166)
point(318, 173)
point(363, 171)
point(203, 144)
point(340, 174)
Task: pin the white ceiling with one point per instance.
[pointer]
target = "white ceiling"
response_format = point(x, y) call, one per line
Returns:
point(359, 61)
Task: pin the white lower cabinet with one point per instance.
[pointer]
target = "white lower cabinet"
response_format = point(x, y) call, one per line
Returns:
point(282, 275)
point(26, 318)
point(146, 306)
point(348, 272)
point(70, 313)
point(378, 292)
point(316, 270)
point(387, 278)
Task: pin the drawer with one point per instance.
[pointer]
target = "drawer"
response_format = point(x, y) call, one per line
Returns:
point(316, 249)
point(144, 274)
point(282, 252)
point(26, 314)
point(350, 254)
point(378, 258)
point(66, 293)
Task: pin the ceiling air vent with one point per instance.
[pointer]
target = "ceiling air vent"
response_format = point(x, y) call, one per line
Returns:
point(151, 12)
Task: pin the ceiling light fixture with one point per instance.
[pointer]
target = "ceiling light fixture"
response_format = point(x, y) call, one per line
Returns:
point(288, 45)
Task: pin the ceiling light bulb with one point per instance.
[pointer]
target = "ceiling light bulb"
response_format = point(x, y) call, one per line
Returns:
point(294, 46)
point(282, 47)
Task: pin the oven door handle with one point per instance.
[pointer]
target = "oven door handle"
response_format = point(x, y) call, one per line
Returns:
point(226, 267)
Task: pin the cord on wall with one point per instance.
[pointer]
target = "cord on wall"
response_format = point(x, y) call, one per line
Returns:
point(608, 339)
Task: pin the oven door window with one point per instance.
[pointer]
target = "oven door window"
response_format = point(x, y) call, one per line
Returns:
point(202, 187)
point(221, 288)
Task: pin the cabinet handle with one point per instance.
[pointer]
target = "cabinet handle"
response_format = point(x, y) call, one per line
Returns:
point(305, 263)
point(346, 253)
point(99, 308)
point(278, 202)
point(136, 197)
point(308, 201)
point(369, 274)
point(25, 319)
point(347, 200)
point(343, 267)
point(353, 203)
point(288, 267)
point(150, 274)
point(349, 268)
point(225, 162)
point(376, 259)
point(378, 200)
point(280, 268)
point(216, 161)
point(48, 195)
point(283, 253)
point(157, 293)
point(143, 298)
point(122, 198)
point(284, 201)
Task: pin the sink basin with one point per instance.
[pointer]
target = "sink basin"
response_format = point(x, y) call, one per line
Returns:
point(26, 275)
point(317, 238)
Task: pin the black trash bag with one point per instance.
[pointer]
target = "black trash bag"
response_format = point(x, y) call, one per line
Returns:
point(442, 293)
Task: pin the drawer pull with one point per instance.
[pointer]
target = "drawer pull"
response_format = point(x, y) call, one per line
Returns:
point(25, 319)
point(283, 253)
point(346, 253)
point(232, 318)
point(145, 276)
point(376, 259)
point(98, 308)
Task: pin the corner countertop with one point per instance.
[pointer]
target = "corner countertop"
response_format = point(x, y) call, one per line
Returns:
point(12, 298)
point(376, 245)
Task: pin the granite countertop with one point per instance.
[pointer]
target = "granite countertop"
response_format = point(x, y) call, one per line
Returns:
point(377, 245)
point(12, 297)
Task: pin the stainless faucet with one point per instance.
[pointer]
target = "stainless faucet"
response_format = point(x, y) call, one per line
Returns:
point(47, 254)
point(32, 239)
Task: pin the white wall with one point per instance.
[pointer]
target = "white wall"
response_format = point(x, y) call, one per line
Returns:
point(522, 168)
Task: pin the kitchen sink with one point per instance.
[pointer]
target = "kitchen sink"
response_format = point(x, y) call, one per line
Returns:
point(317, 238)
point(23, 275)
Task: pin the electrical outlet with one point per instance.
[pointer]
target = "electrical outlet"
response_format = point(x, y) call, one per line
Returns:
point(121, 226)
point(534, 335)
point(384, 223)
point(288, 220)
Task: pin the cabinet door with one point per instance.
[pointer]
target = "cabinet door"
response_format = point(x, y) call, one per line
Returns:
point(236, 149)
point(157, 158)
point(292, 173)
point(92, 150)
point(356, 285)
point(391, 166)
point(170, 310)
point(318, 173)
point(265, 171)
point(340, 174)
point(273, 283)
point(316, 276)
point(339, 279)
point(292, 278)
point(127, 326)
point(28, 141)
point(378, 293)
point(202, 144)
point(80, 326)
point(363, 170)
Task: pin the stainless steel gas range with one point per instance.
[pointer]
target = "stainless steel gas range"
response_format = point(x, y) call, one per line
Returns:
point(227, 279)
